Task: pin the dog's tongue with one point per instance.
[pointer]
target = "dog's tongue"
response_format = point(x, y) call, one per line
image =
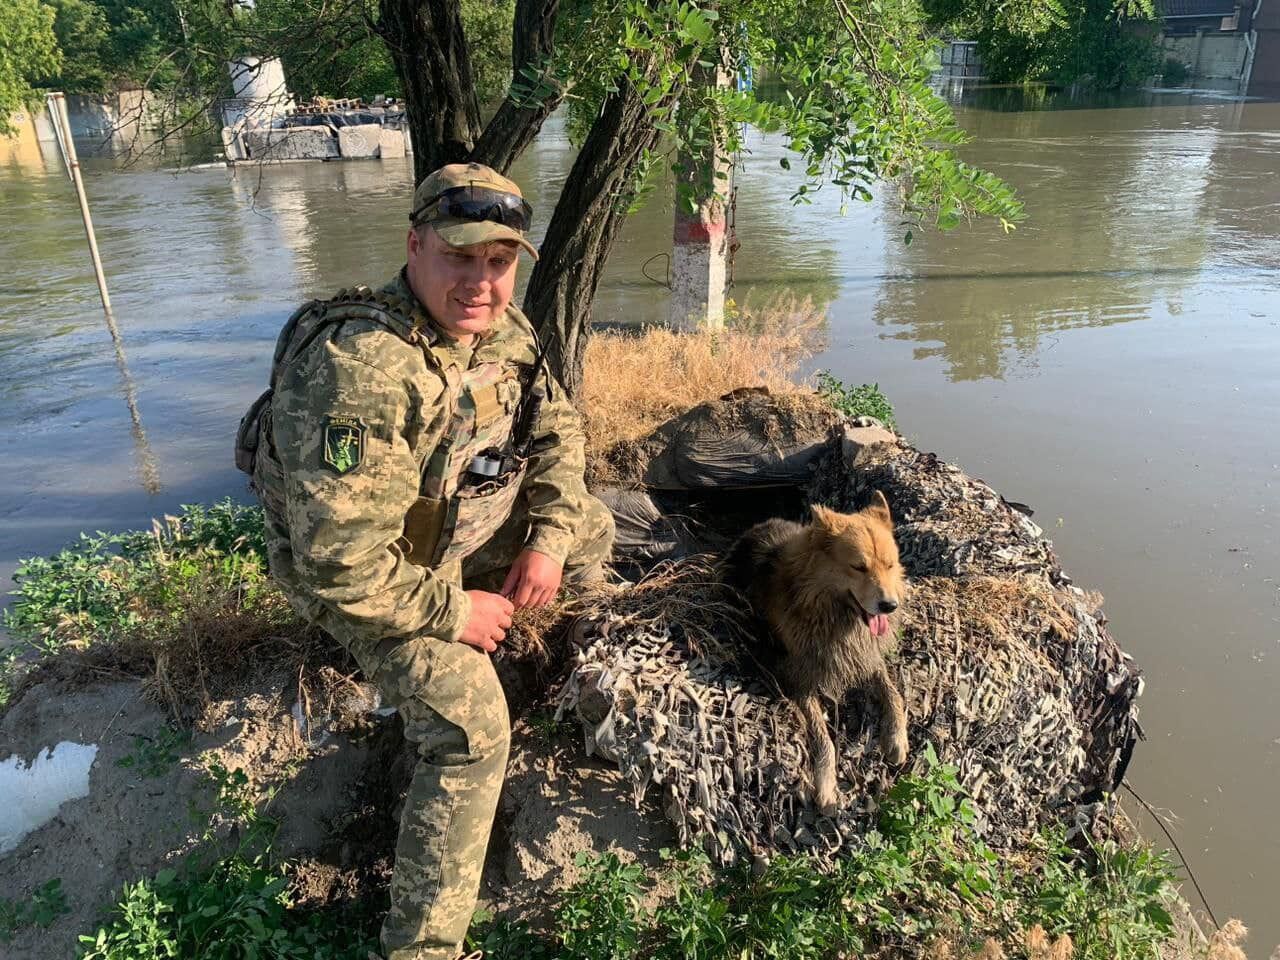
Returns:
point(879, 625)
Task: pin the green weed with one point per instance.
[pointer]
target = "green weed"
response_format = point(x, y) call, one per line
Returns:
point(153, 757)
point(233, 906)
point(109, 587)
point(45, 905)
point(861, 401)
point(922, 877)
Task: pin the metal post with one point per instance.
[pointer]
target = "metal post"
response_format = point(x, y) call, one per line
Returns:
point(146, 460)
point(58, 107)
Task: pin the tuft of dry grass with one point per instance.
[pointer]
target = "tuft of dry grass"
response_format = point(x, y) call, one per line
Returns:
point(635, 382)
point(1225, 943)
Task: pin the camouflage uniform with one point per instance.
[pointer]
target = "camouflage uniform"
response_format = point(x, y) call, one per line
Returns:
point(373, 418)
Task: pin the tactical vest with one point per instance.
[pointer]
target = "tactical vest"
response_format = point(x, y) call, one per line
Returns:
point(456, 511)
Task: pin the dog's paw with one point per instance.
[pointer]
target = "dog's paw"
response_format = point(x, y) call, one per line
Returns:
point(894, 745)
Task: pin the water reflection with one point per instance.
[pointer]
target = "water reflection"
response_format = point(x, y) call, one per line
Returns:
point(1127, 211)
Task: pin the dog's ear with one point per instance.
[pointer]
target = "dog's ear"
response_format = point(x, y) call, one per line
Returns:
point(878, 507)
point(822, 516)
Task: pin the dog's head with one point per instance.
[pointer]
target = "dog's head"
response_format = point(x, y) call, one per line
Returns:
point(860, 559)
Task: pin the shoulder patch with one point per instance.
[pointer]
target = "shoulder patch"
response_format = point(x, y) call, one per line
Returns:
point(343, 443)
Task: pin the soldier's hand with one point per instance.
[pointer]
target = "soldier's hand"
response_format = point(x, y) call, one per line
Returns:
point(534, 580)
point(490, 619)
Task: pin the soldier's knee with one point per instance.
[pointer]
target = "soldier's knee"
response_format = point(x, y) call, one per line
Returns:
point(459, 715)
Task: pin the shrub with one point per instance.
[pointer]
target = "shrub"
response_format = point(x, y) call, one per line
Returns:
point(861, 401)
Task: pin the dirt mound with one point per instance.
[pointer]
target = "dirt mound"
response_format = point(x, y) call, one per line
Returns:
point(1008, 672)
point(1007, 669)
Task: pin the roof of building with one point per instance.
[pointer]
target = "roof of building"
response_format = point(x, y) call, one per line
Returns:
point(1197, 8)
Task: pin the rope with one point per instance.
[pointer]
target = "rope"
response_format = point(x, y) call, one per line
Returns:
point(1181, 856)
point(644, 269)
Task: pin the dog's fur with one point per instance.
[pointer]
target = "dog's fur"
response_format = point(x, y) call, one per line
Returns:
point(819, 587)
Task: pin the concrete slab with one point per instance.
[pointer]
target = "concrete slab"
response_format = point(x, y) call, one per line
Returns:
point(393, 142)
point(359, 142)
point(292, 143)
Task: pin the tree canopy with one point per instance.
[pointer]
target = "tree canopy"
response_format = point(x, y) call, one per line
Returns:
point(1108, 44)
point(28, 51)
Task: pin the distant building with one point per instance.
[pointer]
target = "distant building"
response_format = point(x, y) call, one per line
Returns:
point(1264, 76)
point(1228, 45)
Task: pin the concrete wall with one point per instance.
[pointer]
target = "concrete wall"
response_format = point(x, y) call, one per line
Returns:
point(22, 147)
point(1214, 59)
point(1265, 78)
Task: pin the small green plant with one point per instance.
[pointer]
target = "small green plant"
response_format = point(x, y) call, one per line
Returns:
point(543, 724)
point(922, 876)
point(9, 674)
point(153, 757)
point(600, 916)
point(235, 906)
point(45, 905)
point(861, 401)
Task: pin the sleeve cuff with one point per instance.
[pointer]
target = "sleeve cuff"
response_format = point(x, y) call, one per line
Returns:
point(458, 607)
point(552, 541)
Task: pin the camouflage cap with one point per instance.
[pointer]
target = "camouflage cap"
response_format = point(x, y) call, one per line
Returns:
point(459, 232)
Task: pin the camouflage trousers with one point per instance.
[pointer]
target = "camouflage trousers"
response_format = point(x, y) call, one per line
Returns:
point(454, 711)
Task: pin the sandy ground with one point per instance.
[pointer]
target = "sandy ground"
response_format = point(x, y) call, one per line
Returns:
point(338, 803)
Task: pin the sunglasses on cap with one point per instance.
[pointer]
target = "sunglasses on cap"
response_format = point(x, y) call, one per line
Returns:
point(478, 204)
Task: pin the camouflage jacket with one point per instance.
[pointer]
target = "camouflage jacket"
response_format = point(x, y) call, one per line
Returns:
point(356, 416)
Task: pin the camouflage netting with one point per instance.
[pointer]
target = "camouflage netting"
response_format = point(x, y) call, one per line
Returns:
point(1006, 668)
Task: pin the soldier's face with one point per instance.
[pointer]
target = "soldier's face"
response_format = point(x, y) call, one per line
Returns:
point(465, 289)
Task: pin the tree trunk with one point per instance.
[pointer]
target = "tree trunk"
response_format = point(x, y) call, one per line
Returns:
point(583, 229)
point(429, 49)
point(513, 127)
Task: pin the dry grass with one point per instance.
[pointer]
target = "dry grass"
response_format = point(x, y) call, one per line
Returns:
point(634, 382)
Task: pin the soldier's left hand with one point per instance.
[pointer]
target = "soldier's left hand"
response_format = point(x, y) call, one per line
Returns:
point(534, 580)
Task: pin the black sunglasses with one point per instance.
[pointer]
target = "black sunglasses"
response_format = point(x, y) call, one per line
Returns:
point(479, 203)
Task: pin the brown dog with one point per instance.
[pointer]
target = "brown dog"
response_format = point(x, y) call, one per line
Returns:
point(829, 592)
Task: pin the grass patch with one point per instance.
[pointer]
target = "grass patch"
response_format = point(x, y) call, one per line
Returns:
point(865, 400)
point(188, 606)
point(114, 586)
point(922, 883)
point(44, 906)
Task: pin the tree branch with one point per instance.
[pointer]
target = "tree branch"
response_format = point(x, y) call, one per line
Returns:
point(518, 120)
point(429, 50)
point(584, 227)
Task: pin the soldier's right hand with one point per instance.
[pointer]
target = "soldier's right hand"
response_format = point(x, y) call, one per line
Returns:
point(489, 622)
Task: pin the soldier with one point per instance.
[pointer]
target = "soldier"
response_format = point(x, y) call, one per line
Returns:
point(421, 474)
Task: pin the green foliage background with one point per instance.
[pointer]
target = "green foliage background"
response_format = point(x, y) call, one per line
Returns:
point(105, 45)
point(1106, 44)
point(28, 50)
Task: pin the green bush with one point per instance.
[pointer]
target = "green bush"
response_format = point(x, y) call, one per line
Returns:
point(923, 877)
point(861, 401)
point(109, 586)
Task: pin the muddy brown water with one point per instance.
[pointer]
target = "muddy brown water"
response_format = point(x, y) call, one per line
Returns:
point(1115, 363)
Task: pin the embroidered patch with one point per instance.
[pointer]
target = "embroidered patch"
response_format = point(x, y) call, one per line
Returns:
point(343, 443)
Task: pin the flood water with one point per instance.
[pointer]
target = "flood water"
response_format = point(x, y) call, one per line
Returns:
point(1115, 363)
